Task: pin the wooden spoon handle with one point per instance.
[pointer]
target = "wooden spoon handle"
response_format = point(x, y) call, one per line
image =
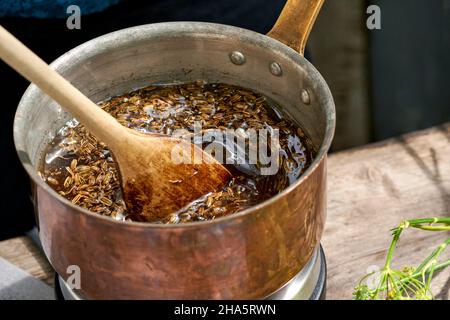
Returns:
point(295, 23)
point(33, 68)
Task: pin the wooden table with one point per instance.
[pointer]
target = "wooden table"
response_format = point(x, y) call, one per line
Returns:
point(371, 190)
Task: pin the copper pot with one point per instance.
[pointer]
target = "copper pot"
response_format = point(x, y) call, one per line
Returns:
point(246, 255)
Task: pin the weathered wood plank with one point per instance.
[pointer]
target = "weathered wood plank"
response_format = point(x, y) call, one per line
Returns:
point(371, 190)
point(23, 253)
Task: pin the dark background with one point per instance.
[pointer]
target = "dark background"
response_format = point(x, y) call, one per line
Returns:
point(410, 66)
point(385, 82)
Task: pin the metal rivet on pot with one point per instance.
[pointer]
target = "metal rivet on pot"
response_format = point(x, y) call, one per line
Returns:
point(305, 97)
point(237, 58)
point(275, 69)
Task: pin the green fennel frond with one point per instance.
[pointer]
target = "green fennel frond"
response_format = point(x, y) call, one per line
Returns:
point(410, 282)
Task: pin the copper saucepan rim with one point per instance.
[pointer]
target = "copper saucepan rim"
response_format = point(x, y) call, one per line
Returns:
point(111, 40)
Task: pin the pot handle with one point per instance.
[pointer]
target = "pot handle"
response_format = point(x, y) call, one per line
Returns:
point(295, 23)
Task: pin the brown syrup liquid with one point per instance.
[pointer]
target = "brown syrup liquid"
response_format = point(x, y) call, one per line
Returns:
point(82, 169)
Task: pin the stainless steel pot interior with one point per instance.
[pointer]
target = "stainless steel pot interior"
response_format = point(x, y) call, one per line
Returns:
point(177, 52)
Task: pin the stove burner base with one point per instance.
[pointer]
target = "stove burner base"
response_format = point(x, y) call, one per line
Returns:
point(308, 284)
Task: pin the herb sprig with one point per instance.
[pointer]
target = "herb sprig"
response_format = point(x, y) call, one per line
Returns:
point(410, 282)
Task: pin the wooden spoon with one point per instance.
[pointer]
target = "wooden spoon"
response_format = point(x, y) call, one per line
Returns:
point(153, 184)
